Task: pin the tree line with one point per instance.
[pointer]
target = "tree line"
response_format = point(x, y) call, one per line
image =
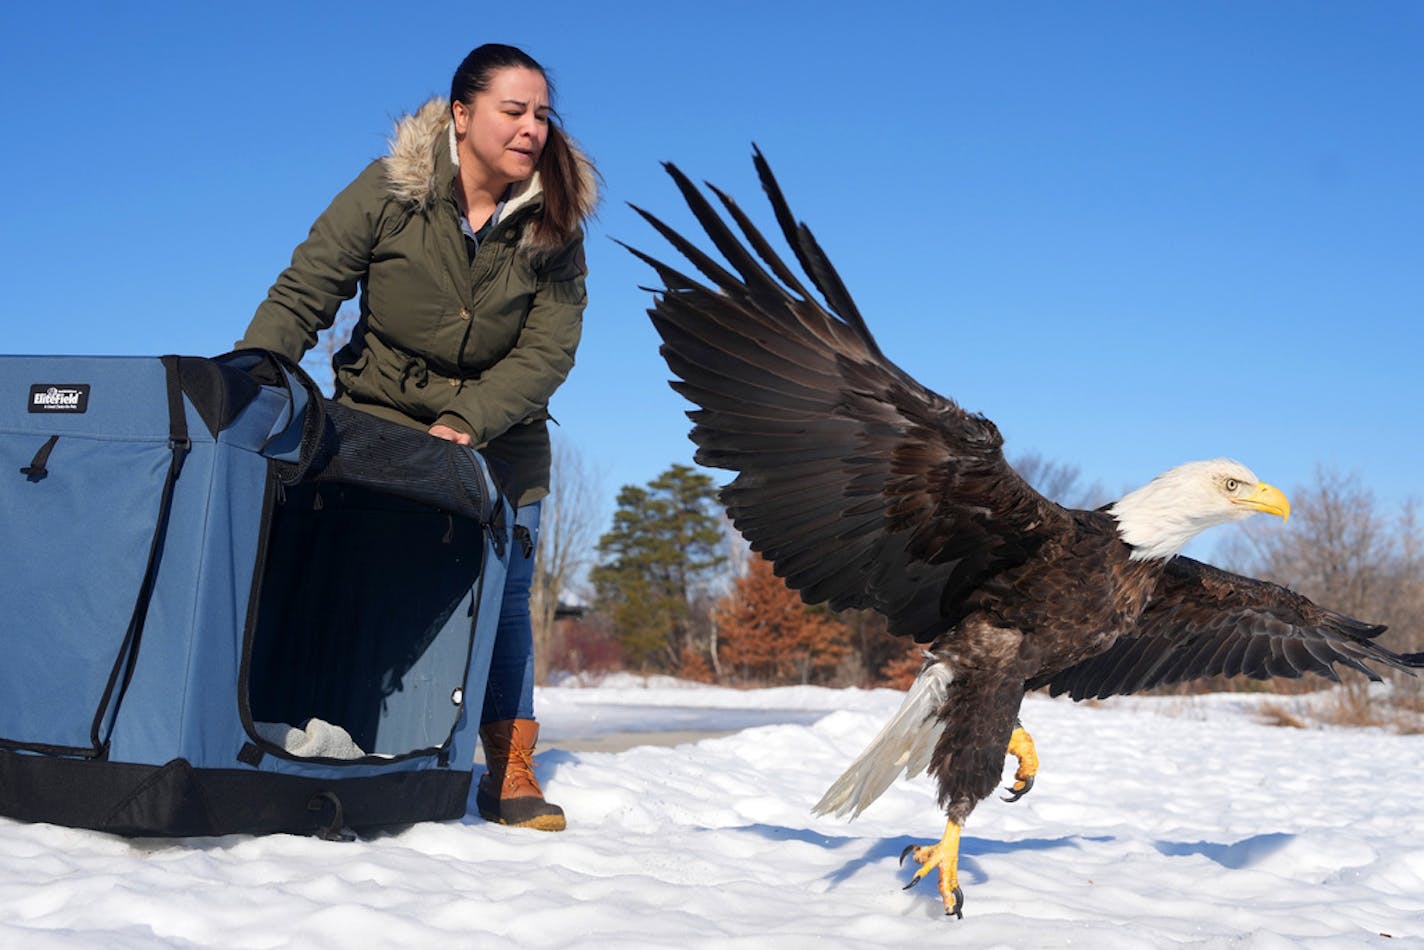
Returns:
point(673, 589)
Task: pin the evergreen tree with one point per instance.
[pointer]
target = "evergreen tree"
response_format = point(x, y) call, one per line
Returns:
point(664, 546)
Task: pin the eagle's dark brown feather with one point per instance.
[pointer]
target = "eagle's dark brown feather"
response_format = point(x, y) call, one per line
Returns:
point(791, 391)
point(1204, 621)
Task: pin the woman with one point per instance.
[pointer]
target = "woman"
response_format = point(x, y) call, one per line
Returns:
point(466, 244)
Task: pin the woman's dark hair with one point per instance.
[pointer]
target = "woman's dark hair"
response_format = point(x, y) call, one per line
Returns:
point(564, 182)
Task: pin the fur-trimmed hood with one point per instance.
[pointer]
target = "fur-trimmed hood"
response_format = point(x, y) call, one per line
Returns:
point(413, 166)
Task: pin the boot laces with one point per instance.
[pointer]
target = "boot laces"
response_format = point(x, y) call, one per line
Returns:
point(519, 773)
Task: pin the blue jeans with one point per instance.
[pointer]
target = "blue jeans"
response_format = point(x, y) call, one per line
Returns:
point(509, 693)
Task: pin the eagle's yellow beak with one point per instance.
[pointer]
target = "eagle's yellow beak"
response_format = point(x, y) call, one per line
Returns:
point(1267, 498)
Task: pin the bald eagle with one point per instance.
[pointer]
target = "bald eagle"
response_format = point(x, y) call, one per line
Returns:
point(867, 490)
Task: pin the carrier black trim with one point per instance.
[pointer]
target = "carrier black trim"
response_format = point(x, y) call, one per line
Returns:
point(177, 800)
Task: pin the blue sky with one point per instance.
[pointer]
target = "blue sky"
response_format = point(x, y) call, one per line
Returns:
point(1132, 233)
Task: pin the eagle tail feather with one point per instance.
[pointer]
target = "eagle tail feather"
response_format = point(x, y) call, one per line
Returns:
point(905, 743)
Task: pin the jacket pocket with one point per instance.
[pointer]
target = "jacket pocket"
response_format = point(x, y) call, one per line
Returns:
point(349, 377)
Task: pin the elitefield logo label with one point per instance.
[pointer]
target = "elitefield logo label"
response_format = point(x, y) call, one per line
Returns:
point(54, 397)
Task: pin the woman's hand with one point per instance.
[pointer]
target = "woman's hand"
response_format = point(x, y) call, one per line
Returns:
point(449, 434)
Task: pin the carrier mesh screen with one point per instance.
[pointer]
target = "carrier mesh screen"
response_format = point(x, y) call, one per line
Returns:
point(360, 449)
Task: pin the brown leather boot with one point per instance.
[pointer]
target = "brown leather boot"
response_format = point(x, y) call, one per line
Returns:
point(509, 793)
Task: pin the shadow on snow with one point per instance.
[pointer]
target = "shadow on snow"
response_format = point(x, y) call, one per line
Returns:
point(1241, 854)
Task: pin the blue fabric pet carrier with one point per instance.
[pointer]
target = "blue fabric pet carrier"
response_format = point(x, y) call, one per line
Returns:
point(229, 605)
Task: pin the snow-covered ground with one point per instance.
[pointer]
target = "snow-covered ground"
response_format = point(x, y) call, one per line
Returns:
point(1154, 822)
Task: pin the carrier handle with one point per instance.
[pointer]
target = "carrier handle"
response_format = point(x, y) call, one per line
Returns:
point(336, 829)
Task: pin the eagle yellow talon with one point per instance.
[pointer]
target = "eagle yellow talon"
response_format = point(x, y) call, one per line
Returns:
point(1021, 747)
point(942, 857)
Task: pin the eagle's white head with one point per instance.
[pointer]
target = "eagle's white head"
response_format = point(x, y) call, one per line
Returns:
point(1159, 518)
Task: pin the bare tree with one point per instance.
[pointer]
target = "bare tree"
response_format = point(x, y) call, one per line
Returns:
point(739, 553)
point(317, 362)
point(1059, 482)
point(1336, 550)
point(1408, 608)
point(568, 536)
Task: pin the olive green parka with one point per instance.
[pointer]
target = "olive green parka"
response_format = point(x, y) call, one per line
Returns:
point(478, 345)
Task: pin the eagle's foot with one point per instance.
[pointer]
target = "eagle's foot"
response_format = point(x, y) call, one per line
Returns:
point(1021, 747)
point(943, 857)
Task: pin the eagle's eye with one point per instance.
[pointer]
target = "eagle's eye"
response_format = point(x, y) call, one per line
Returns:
point(1232, 484)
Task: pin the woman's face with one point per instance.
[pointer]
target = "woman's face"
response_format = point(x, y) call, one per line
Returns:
point(504, 129)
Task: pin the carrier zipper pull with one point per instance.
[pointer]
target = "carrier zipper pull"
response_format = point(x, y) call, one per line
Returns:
point(36, 469)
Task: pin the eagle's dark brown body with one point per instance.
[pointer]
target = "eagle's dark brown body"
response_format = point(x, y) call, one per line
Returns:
point(867, 490)
point(1007, 640)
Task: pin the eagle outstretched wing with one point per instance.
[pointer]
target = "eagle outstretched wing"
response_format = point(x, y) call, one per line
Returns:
point(1204, 621)
point(862, 487)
